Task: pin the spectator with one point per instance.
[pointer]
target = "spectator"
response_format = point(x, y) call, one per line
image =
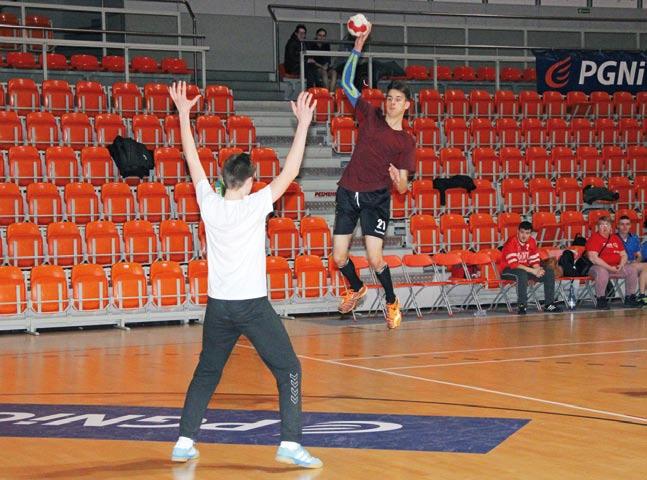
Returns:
point(634, 256)
point(520, 262)
point(322, 64)
point(606, 252)
point(292, 56)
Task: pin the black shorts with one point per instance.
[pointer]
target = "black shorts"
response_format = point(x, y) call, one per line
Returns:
point(372, 209)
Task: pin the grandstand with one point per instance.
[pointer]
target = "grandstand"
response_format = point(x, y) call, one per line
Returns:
point(81, 246)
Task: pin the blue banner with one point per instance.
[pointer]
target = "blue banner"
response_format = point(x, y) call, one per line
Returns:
point(259, 427)
point(591, 70)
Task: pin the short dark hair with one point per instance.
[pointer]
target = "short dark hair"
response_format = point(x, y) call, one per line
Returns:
point(321, 30)
point(525, 226)
point(400, 86)
point(236, 171)
point(624, 217)
point(299, 26)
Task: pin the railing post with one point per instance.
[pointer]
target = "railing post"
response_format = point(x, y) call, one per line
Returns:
point(127, 62)
point(302, 70)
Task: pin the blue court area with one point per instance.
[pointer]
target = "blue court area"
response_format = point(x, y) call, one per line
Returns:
point(259, 427)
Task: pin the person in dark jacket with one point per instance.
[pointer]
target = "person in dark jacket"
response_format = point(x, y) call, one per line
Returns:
point(292, 56)
point(293, 49)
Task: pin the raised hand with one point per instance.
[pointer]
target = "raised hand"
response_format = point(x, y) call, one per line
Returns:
point(304, 108)
point(178, 94)
point(360, 40)
point(394, 173)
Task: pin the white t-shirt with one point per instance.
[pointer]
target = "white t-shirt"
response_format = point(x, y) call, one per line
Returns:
point(235, 242)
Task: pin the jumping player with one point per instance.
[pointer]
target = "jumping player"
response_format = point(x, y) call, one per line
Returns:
point(237, 301)
point(383, 157)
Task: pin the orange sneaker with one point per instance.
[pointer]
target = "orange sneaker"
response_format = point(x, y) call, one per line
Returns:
point(350, 299)
point(393, 314)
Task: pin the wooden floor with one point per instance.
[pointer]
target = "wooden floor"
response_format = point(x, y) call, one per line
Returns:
point(581, 380)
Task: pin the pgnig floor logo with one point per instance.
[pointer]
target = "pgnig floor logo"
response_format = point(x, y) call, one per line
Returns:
point(260, 427)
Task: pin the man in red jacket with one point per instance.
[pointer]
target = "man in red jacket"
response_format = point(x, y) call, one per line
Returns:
point(520, 262)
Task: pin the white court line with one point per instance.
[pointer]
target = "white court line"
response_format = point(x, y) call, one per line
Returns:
point(396, 355)
point(479, 362)
point(471, 387)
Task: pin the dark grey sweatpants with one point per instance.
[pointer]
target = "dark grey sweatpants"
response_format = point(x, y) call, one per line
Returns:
point(522, 277)
point(224, 322)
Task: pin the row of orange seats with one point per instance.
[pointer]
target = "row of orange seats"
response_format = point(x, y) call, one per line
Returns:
point(39, 24)
point(481, 132)
point(486, 162)
point(504, 103)
point(466, 73)
point(125, 98)
point(88, 290)
point(44, 129)
point(90, 63)
point(529, 103)
point(43, 203)
point(61, 164)
point(484, 231)
point(69, 243)
point(99, 242)
point(505, 132)
point(514, 196)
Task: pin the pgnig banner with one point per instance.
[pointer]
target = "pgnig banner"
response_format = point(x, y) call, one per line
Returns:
point(591, 70)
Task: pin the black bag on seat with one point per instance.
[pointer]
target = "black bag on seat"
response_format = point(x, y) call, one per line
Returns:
point(132, 158)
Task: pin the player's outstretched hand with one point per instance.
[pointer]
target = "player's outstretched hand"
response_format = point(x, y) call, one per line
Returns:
point(394, 173)
point(304, 107)
point(178, 94)
point(361, 38)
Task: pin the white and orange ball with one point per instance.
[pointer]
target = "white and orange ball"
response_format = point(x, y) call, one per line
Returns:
point(357, 24)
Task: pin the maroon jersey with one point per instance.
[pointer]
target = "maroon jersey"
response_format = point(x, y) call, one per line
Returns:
point(377, 146)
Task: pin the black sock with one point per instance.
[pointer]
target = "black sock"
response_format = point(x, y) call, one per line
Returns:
point(385, 279)
point(349, 272)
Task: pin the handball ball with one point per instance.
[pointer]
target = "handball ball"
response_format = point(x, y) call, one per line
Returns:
point(357, 24)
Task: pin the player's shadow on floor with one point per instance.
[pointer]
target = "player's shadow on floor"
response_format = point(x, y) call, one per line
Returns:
point(153, 467)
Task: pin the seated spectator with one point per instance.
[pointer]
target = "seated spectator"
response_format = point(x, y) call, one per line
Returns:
point(606, 252)
point(292, 53)
point(322, 64)
point(292, 56)
point(634, 256)
point(520, 262)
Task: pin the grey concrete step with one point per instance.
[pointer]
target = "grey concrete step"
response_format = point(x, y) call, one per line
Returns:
point(225, 76)
point(263, 105)
point(257, 95)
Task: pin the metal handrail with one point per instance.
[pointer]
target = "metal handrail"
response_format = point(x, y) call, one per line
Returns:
point(45, 42)
point(478, 16)
point(272, 8)
point(23, 5)
point(414, 56)
point(95, 31)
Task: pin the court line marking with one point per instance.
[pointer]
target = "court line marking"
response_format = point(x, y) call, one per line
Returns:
point(470, 387)
point(396, 355)
point(479, 362)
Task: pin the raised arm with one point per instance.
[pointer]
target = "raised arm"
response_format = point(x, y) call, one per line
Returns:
point(184, 106)
point(303, 109)
point(348, 75)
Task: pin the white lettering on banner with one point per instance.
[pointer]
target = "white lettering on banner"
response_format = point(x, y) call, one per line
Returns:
point(160, 420)
point(627, 75)
point(350, 427)
point(588, 70)
point(238, 427)
point(602, 69)
point(93, 420)
point(612, 72)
